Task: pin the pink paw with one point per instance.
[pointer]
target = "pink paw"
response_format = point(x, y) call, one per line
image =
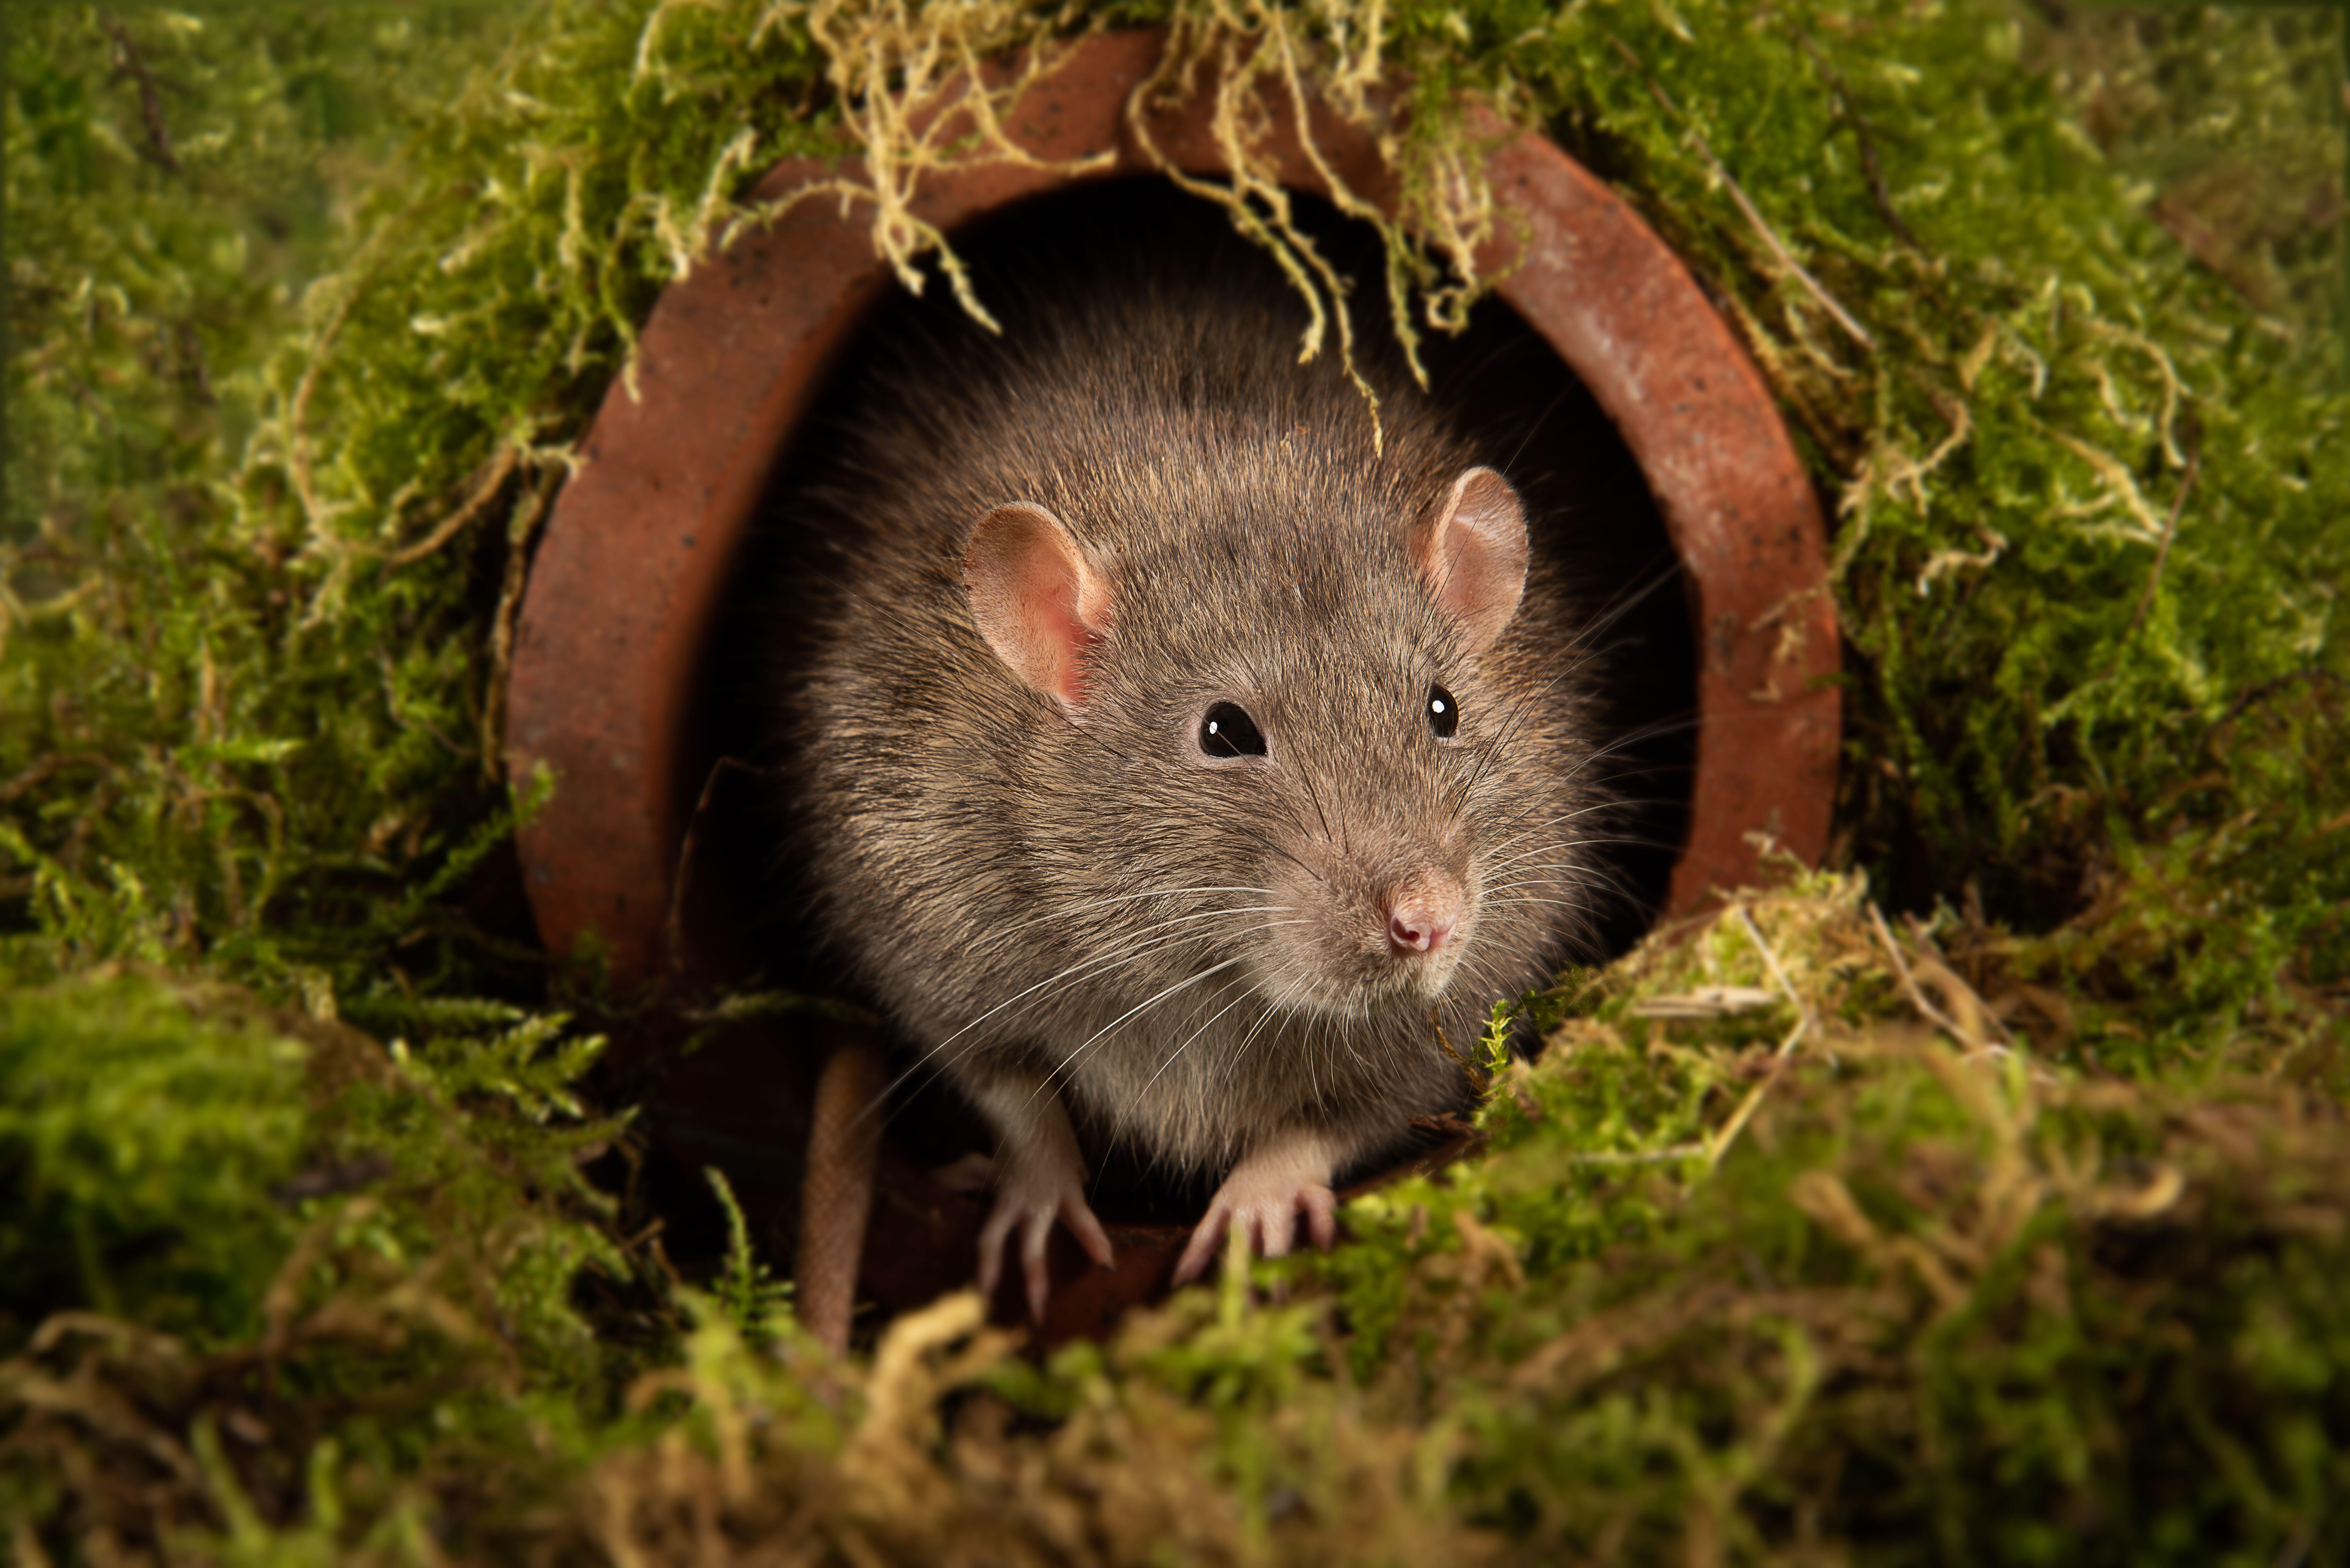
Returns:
point(1034, 1191)
point(1264, 1195)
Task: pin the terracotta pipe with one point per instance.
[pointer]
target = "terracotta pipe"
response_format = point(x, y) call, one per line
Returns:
point(638, 551)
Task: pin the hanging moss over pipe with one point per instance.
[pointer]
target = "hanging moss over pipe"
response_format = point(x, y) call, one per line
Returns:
point(2040, 1218)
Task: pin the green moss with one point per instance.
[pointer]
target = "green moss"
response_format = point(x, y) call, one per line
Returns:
point(118, 1205)
point(1907, 1295)
point(231, 1217)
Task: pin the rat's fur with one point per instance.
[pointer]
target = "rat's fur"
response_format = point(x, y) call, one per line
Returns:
point(1016, 888)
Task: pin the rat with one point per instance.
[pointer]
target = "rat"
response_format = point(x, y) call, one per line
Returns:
point(1183, 761)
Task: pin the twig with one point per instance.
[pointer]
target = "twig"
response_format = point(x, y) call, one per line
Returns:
point(1771, 959)
point(1721, 1141)
point(1754, 215)
point(1640, 1156)
point(41, 770)
point(1933, 1014)
point(294, 421)
point(1720, 1144)
point(1872, 174)
point(297, 408)
point(151, 102)
point(1942, 963)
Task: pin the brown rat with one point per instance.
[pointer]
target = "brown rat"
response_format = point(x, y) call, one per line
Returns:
point(1171, 758)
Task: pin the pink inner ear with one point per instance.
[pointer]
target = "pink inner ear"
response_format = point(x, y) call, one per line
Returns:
point(1036, 600)
point(1471, 547)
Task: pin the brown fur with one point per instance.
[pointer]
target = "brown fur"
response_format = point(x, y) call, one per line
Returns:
point(968, 842)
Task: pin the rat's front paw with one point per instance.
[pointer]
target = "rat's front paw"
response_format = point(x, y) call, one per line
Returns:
point(1044, 1184)
point(1264, 1195)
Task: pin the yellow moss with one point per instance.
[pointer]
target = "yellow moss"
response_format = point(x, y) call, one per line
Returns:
point(904, 76)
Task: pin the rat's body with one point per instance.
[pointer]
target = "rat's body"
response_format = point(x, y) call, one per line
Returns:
point(1124, 753)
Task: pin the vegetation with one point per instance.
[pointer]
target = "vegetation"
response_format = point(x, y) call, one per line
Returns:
point(1983, 1196)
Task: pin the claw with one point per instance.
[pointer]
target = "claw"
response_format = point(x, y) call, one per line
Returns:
point(1035, 1230)
point(1264, 1195)
point(1040, 1181)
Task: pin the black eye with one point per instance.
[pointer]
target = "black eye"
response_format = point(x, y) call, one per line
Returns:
point(1227, 732)
point(1443, 712)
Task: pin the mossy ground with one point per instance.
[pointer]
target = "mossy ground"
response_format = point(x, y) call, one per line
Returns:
point(2018, 1231)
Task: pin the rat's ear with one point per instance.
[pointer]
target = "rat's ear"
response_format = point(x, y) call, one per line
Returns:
point(1037, 600)
point(1470, 548)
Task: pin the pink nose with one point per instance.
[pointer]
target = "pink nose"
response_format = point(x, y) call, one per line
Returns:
point(1423, 917)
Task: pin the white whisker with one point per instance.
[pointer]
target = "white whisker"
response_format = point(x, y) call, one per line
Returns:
point(1070, 1060)
point(1069, 912)
point(1149, 942)
point(1235, 1002)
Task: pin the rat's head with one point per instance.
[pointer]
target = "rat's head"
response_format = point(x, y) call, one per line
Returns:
point(1305, 722)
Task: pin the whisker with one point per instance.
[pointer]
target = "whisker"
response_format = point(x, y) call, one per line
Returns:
point(1263, 842)
point(1273, 1011)
point(1559, 903)
point(1499, 745)
point(1553, 822)
point(1071, 910)
point(1555, 846)
point(1574, 656)
point(1149, 941)
point(1243, 996)
point(1578, 865)
point(1070, 1060)
point(1584, 877)
point(1314, 796)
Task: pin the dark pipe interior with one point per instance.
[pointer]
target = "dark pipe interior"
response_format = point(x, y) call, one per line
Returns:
point(1591, 512)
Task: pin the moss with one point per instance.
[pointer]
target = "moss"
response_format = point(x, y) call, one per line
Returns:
point(2012, 1231)
point(168, 1219)
point(1919, 1279)
point(224, 1218)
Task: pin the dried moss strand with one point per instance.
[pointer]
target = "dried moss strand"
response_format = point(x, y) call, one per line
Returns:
point(501, 468)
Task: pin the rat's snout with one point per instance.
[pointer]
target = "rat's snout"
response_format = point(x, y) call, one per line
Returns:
point(1423, 914)
point(1370, 925)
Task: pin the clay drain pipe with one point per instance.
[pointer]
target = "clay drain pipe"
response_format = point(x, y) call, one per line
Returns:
point(635, 555)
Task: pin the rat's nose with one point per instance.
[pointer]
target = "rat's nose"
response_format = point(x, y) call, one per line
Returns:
point(1423, 916)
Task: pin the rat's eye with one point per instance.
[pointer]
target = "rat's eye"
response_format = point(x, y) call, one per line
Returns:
point(1227, 732)
point(1443, 712)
